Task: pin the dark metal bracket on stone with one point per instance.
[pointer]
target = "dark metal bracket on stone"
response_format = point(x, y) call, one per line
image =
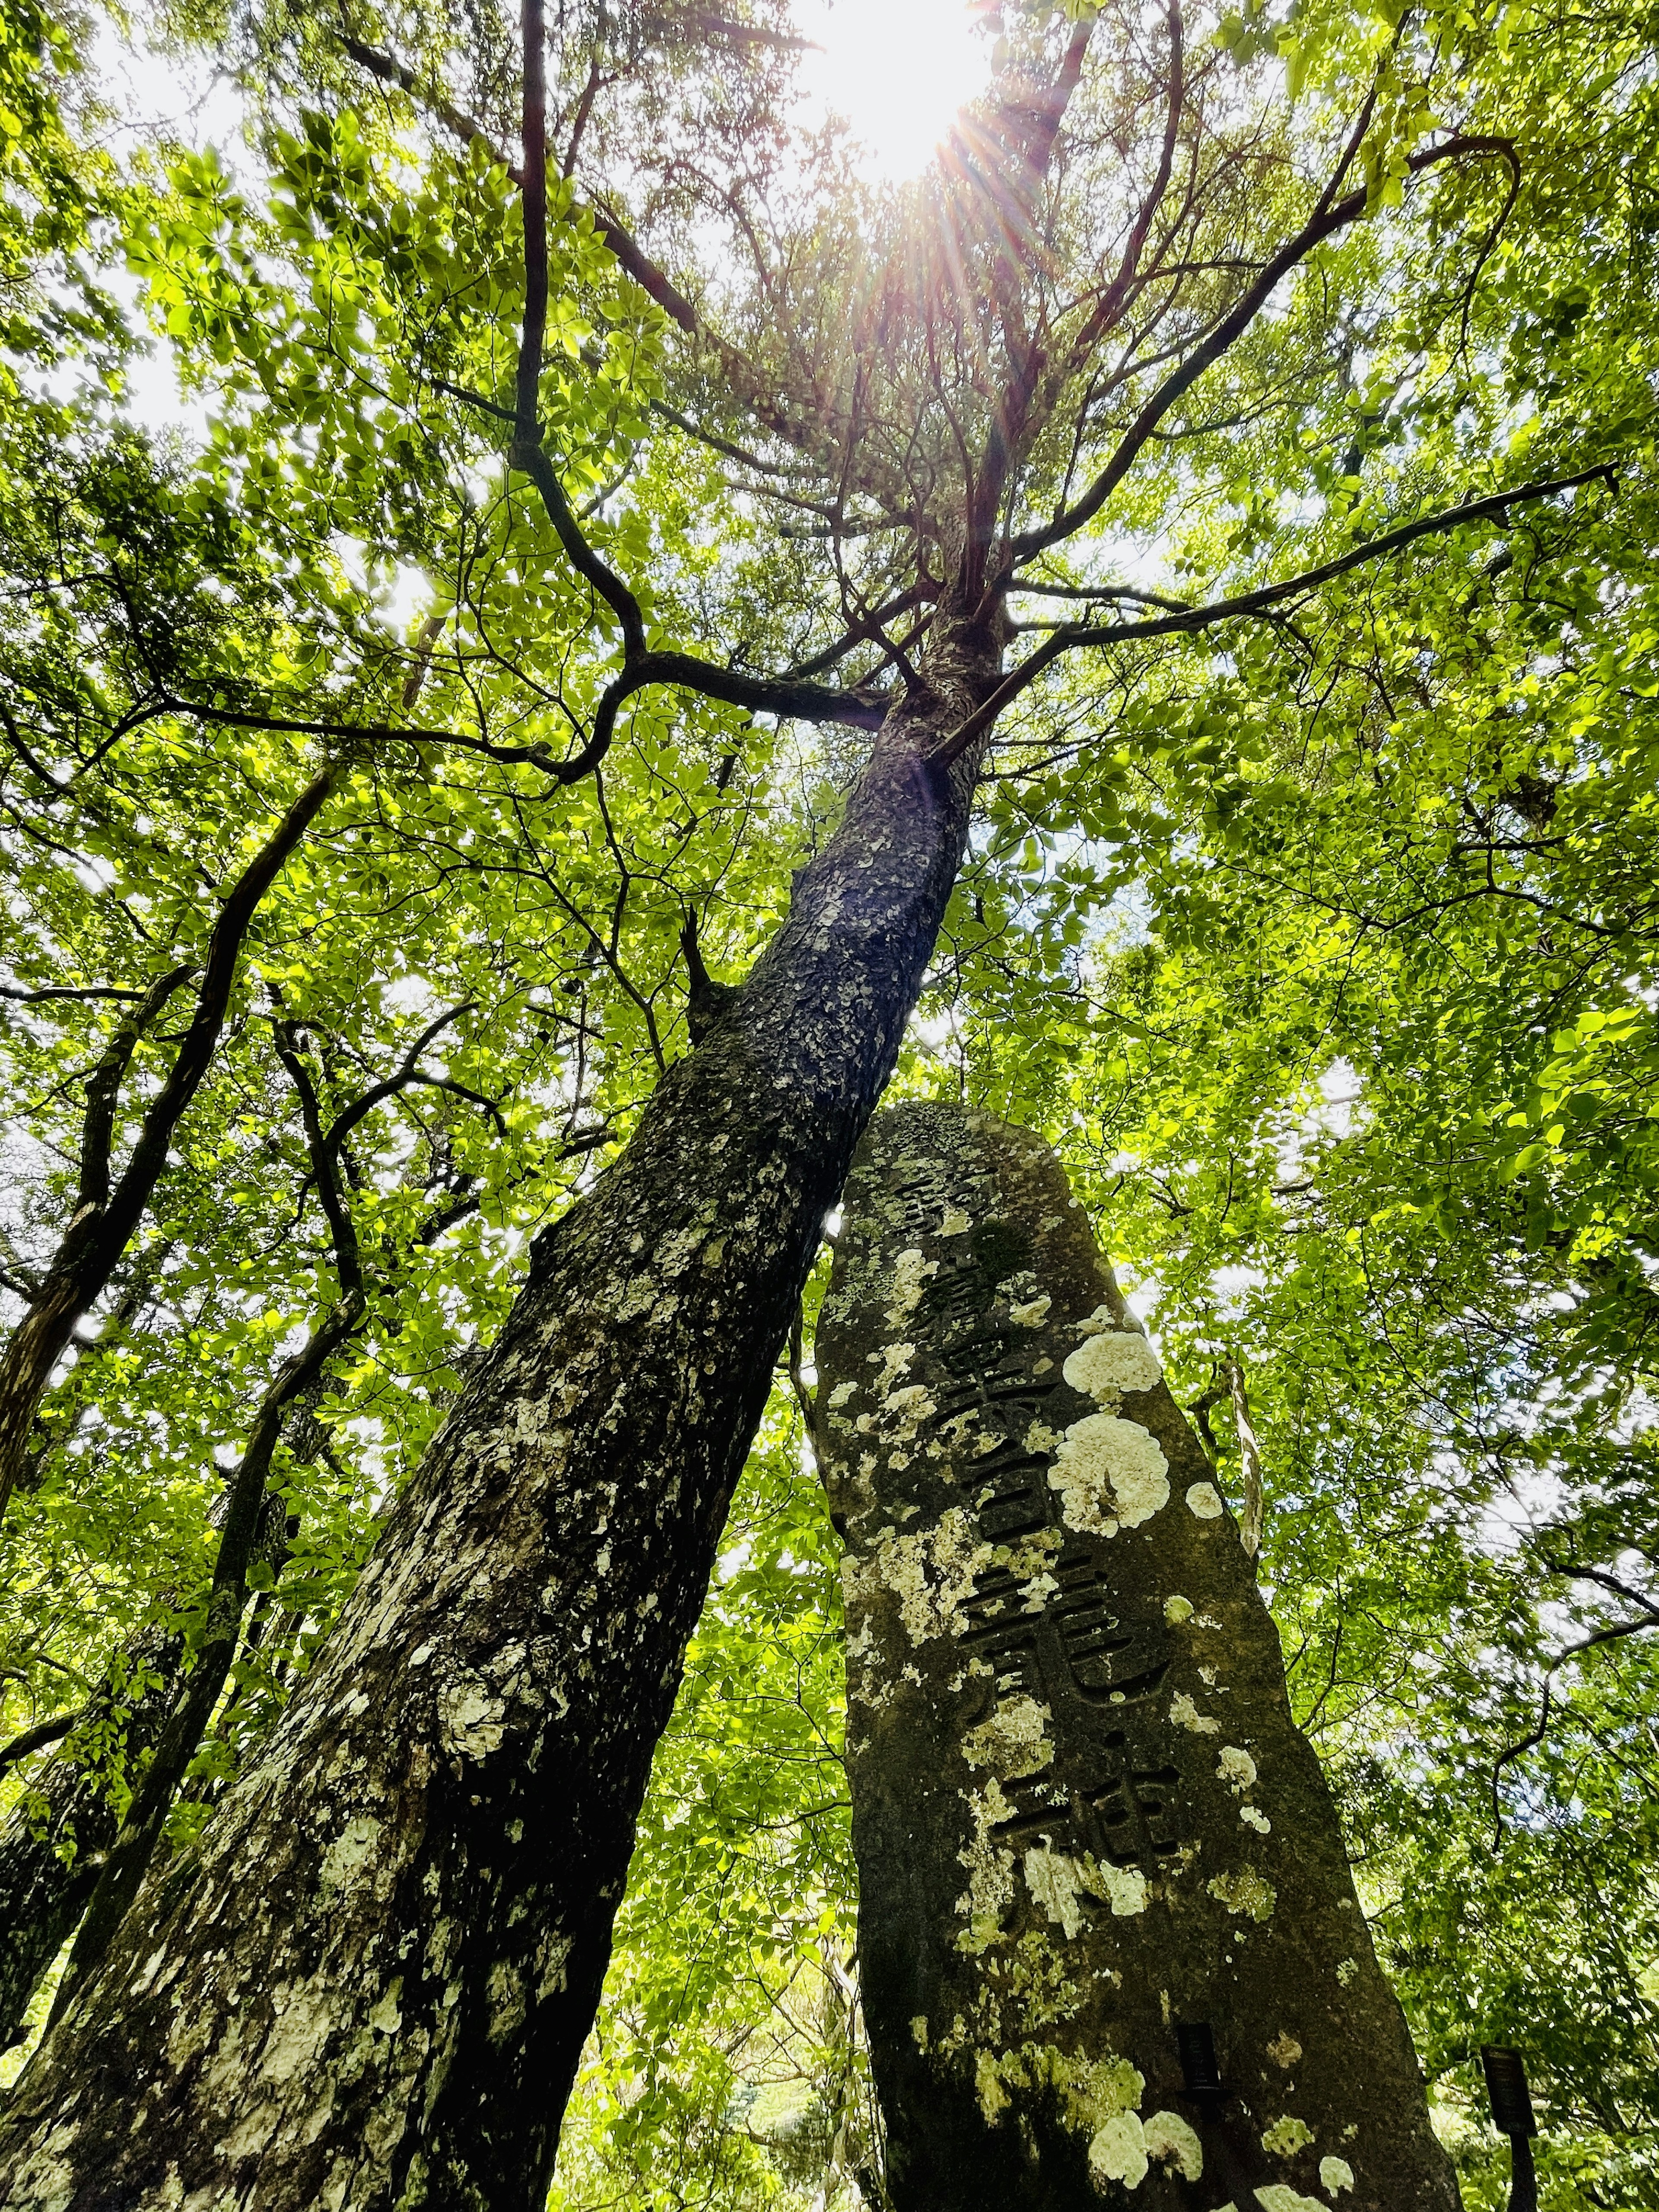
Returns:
point(1512, 2116)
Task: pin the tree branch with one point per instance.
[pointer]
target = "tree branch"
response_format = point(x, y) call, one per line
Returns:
point(99, 1231)
point(537, 756)
point(527, 455)
point(619, 242)
point(133, 1848)
point(762, 695)
point(1071, 636)
point(38, 1737)
point(1330, 216)
point(348, 1116)
point(104, 1085)
point(343, 1232)
point(68, 991)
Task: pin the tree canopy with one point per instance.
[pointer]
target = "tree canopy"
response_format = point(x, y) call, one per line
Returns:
point(398, 772)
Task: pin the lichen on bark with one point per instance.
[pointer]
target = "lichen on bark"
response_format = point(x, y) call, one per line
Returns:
point(369, 1983)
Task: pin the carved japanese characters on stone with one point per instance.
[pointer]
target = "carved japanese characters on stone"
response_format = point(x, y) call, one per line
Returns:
point(1082, 1813)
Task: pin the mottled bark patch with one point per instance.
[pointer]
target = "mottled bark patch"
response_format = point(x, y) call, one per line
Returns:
point(1082, 1812)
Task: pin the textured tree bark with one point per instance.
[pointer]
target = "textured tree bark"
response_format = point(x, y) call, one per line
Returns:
point(371, 1983)
point(1084, 1818)
point(50, 1863)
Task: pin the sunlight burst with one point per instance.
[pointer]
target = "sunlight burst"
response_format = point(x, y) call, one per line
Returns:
point(896, 70)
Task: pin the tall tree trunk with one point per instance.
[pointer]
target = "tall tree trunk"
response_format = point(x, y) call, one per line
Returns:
point(51, 1859)
point(1111, 1949)
point(371, 1983)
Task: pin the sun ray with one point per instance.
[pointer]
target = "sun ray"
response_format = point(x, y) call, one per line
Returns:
point(897, 71)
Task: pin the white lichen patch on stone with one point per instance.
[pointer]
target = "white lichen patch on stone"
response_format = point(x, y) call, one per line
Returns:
point(1284, 2050)
point(1185, 1714)
point(993, 2098)
point(919, 2023)
point(1286, 2136)
point(1109, 1471)
point(1055, 1881)
point(1013, 1741)
point(889, 1364)
point(1237, 1769)
point(931, 1574)
point(953, 1222)
point(1107, 1364)
point(990, 1888)
point(1117, 2152)
point(1204, 1499)
point(1244, 1892)
point(1035, 1593)
point(1169, 2136)
point(1334, 2175)
point(842, 1393)
point(1093, 2092)
point(1278, 2197)
point(1124, 1888)
point(1032, 1313)
point(910, 1272)
point(1102, 1317)
point(1038, 1975)
point(902, 1415)
point(1253, 1817)
point(1176, 1610)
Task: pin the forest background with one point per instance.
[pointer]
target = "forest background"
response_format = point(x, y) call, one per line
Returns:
point(1337, 997)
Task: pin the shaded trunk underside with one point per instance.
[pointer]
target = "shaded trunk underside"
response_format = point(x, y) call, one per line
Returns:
point(370, 1984)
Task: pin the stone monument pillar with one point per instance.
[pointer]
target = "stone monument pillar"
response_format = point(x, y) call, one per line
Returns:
point(1110, 1947)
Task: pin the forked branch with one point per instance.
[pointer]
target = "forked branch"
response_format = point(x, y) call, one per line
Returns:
point(640, 666)
point(1071, 636)
point(1330, 216)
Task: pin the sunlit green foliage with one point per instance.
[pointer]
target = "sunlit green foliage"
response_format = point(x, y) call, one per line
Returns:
point(1324, 949)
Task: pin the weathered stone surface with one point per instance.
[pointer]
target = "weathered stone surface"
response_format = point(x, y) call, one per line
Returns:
point(1082, 1812)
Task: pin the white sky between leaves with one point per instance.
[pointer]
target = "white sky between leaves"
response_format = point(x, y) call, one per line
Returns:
point(897, 71)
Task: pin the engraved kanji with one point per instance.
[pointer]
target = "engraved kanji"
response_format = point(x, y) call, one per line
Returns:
point(959, 1293)
point(926, 1191)
point(1110, 1659)
point(1002, 1633)
point(1137, 1814)
point(1010, 1492)
point(1130, 1816)
point(1009, 1396)
point(1042, 1809)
